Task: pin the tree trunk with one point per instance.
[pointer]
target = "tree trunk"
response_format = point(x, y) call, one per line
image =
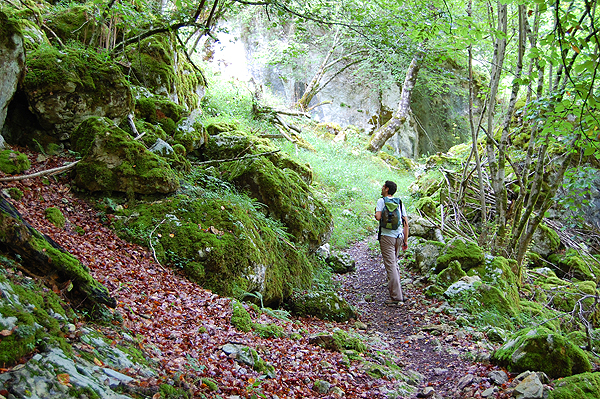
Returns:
point(497, 63)
point(402, 114)
point(45, 259)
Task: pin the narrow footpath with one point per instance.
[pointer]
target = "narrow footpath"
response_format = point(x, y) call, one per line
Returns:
point(426, 338)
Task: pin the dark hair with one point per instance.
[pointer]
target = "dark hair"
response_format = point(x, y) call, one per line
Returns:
point(391, 187)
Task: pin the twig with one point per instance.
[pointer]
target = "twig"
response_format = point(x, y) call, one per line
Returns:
point(52, 171)
point(152, 246)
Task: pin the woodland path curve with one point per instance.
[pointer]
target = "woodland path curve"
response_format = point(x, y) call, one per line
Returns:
point(424, 337)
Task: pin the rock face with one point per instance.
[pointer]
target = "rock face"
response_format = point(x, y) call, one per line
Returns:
point(12, 60)
point(353, 102)
point(113, 161)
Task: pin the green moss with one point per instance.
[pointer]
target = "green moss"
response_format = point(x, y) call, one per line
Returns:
point(225, 240)
point(55, 216)
point(427, 206)
point(15, 193)
point(8, 28)
point(325, 305)
point(268, 330)
point(170, 392)
point(580, 386)
point(540, 349)
point(13, 162)
point(240, 318)
point(116, 162)
point(35, 327)
point(450, 274)
point(211, 384)
point(346, 341)
point(468, 253)
point(51, 69)
point(499, 272)
point(573, 264)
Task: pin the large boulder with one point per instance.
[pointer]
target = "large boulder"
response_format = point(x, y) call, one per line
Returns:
point(540, 349)
point(545, 241)
point(12, 60)
point(221, 241)
point(65, 87)
point(114, 161)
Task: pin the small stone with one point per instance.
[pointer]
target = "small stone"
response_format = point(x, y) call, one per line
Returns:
point(498, 377)
point(488, 392)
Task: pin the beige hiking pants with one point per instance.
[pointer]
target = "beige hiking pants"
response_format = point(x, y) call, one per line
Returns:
point(389, 251)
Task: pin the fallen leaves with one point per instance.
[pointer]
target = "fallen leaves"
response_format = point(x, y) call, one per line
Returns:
point(177, 320)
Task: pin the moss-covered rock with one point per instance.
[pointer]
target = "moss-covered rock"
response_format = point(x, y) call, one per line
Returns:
point(540, 349)
point(65, 87)
point(427, 206)
point(326, 305)
point(13, 162)
point(545, 241)
point(240, 318)
point(221, 240)
point(31, 313)
point(580, 386)
point(450, 274)
point(288, 199)
point(467, 252)
point(158, 65)
point(499, 272)
point(573, 264)
point(113, 161)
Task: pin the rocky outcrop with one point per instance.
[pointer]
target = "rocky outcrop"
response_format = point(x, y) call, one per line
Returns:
point(64, 88)
point(114, 161)
point(12, 60)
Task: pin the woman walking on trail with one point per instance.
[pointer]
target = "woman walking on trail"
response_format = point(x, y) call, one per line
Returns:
point(392, 235)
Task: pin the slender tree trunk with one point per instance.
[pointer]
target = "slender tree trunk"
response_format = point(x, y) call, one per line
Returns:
point(496, 73)
point(402, 114)
point(474, 145)
point(313, 87)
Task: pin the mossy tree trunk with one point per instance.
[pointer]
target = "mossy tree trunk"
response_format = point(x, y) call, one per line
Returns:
point(47, 260)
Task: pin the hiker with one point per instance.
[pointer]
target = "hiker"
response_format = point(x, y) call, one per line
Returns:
point(392, 235)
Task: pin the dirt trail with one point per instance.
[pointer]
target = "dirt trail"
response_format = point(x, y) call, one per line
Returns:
point(425, 338)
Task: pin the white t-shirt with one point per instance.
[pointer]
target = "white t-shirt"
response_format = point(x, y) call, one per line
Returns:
point(399, 232)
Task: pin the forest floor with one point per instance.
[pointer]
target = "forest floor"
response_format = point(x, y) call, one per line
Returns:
point(183, 327)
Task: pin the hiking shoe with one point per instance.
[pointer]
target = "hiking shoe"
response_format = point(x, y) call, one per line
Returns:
point(396, 304)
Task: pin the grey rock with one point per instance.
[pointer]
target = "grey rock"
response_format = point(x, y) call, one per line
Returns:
point(341, 262)
point(321, 386)
point(530, 388)
point(498, 377)
point(12, 59)
point(162, 148)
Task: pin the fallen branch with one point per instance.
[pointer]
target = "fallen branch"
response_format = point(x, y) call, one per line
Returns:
point(236, 159)
point(49, 172)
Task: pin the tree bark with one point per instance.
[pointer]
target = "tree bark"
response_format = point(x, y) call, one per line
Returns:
point(497, 63)
point(402, 114)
